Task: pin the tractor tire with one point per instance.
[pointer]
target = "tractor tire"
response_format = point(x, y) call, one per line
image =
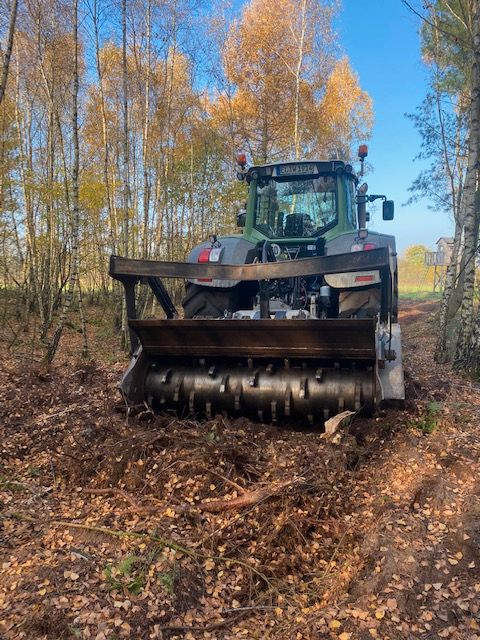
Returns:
point(361, 303)
point(209, 302)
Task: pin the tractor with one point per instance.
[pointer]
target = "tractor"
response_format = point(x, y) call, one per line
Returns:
point(295, 318)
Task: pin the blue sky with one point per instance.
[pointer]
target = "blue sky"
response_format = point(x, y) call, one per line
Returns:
point(381, 39)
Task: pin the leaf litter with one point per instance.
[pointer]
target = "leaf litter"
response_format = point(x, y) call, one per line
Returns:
point(155, 527)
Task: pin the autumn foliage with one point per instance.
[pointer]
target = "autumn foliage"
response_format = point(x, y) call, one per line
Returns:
point(160, 125)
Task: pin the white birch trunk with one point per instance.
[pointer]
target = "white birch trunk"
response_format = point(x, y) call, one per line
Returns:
point(468, 346)
point(75, 226)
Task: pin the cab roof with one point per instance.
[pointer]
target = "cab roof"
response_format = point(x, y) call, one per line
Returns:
point(299, 168)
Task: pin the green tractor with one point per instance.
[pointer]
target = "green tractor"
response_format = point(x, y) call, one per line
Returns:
point(294, 318)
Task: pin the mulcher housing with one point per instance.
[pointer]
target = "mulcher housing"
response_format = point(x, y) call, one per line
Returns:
point(295, 319)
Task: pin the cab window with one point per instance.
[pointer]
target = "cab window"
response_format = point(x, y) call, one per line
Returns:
point(296, 208)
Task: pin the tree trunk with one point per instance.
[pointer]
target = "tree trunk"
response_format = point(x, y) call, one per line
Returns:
point(441, 347)
point(106, 155)
point(146, 130)
point(75, 226)
point(126, 163)
point(298, 74)
point(468, 346)
point(8, 50)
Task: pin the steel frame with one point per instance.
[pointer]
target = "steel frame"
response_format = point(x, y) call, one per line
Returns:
point(132, 271)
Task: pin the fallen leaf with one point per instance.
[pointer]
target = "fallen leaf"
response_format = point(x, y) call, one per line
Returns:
point(391, 604)
point(333, 424)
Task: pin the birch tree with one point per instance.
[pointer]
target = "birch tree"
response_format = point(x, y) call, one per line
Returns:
point(75, 224)
point(8, 49)
point(468, 346)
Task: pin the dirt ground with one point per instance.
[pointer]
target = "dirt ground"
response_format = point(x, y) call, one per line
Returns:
point(119, 529)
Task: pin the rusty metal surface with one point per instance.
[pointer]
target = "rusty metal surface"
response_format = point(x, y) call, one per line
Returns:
point(124, 268)
point(327, 339)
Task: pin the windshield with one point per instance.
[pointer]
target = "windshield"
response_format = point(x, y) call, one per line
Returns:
point(295, 208)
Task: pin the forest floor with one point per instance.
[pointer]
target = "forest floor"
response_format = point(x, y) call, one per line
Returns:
point(106, 530)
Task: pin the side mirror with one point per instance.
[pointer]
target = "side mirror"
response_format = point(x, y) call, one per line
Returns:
point(388, 209)
point(241, 218)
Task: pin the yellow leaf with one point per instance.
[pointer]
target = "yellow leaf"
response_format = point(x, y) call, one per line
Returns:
point(170, 513)
point(380, 614)
point(335, 624)
point(209, 565)
point(344, 636)
point(42, 592)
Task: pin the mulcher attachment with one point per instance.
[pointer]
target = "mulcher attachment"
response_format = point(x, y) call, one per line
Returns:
point(267, 369)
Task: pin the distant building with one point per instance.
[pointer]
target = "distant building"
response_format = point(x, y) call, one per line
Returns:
point(442, 256)
point(444, 251)
point(440, 259)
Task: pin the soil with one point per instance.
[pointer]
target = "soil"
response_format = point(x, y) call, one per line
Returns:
point(106, 534)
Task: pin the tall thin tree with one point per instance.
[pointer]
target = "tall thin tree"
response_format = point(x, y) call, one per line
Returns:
point(8, 49)
point(75, 224)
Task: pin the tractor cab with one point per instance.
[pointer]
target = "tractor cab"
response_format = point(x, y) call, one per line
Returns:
point(304, 201)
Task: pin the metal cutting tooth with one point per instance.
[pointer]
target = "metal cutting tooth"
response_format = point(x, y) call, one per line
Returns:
point(191, 402)
point(288, 401)
point(238, 397)
point(176, 393)
point(166, 376)
point(303, 388)
point(358, 397)
point(253, 378)
point(273, 409)
point(223, 384)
